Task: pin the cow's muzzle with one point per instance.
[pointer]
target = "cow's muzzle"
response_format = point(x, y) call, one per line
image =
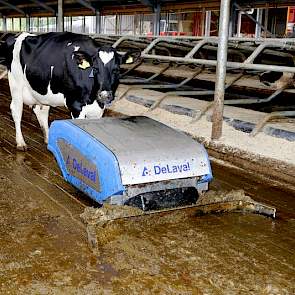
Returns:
point(105, 97)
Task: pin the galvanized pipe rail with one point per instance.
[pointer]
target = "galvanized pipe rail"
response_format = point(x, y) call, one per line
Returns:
point(259, 126)
point(255, 46)
point(290, 41)
point(247, 65)
point(190, 46)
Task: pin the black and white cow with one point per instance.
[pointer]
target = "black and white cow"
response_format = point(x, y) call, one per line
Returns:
point(60, 69)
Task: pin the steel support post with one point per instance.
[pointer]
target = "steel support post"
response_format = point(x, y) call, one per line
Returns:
point(203, 21)
point(239, 24)
point(118, 24)
point(157, 18)
point(4, 23)
point(83, 24)
point(38, 24)
point(207, 23)
point(28, 23)
point(266, 20)
point(259, 21)
point(217, 117)
point(98, 22)
point(60, 17)
point(233, 20)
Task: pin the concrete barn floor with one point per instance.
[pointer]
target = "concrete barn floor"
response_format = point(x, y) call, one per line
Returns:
point(44, 247)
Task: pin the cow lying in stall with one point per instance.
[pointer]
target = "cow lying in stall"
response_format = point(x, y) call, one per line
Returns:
point(60, 69)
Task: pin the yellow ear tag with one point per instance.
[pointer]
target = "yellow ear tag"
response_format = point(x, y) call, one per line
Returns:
point(84, 65)
point(129, 60)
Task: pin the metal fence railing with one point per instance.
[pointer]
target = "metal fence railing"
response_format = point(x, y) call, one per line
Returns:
point(245, 55)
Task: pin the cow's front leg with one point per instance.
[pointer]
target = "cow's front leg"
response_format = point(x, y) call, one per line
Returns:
point(42, 113)
point(16, 107)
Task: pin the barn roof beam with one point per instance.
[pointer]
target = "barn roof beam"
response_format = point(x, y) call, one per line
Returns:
point(149, 3)
point(153, 4)
point(12, 7)
point(44, 5)
point(86, 4)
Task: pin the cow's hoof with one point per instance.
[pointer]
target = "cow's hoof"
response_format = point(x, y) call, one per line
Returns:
point(22, 148)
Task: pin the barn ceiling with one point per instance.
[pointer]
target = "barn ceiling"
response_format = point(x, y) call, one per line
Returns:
point(49, 7)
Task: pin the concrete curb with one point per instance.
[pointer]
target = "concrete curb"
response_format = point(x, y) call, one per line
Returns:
point(248, 127)
point(240, 125)
point(274, 172)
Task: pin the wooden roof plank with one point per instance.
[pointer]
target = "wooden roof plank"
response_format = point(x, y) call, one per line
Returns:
point(12, 7)
point(44, 5)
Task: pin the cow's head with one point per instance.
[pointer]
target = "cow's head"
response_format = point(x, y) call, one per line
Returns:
point(7, 41)
point(104, 71)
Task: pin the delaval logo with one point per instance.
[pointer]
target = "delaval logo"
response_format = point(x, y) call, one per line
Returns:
point(146, 172)
point(77, 165)
point(166, 169)
point(82, 169)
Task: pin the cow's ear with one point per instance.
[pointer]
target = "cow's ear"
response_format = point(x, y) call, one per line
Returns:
point(130, 57)
point(83, 59)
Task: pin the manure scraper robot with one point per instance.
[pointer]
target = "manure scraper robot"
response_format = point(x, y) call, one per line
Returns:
point(133, 161)
point(114, 160)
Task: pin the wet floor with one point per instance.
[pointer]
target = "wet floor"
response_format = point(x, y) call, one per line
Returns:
point(185, 254)
point(44, 247)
